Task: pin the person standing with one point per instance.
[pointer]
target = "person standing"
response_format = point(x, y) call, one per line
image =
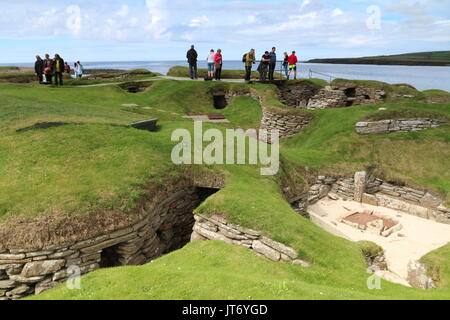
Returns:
point(67, 68)
point(292, 65)
point(48, 69)
point(192, 60)
point(286, 64)
point(59, 70)
point(273, 63)
point(39, 68)
point(210, 60)
point(218, 62)
point(249, 60)
point(79, 70)
point(264, 66)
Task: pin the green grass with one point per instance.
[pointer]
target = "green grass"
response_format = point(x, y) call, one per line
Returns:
point(9, 68)
point(215, 270)
point(70, 172)
point(179, 71)
point(407, 113)
point(331, 144)
point(434, 58)
point(243, 112)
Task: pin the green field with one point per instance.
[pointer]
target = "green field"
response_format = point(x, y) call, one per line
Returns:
point(435, 58)
point(65, 176)
point(183, 72)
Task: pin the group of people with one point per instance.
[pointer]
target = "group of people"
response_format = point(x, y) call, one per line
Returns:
point(48, 69)
point(268, 64)
point(266, 67)
point(214, 60)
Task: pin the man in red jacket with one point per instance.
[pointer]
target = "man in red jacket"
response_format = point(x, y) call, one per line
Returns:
point(292, 65)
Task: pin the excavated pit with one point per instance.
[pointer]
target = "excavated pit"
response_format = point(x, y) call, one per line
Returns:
point(220, 101)
point(173, 231)
point(136, 87)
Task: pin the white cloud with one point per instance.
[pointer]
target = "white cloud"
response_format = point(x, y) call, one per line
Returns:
point(74, 19)
point(199, 22)
point(337, 12)
point(124, 11)
point(310, 24)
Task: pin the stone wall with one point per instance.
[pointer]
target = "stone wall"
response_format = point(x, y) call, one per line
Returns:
point(287, 124)
point(166, 226)
point(400, 125)
point(374, 191)
point(297, 94)
point(217, 228)
point(418, 276)
point(344, 96)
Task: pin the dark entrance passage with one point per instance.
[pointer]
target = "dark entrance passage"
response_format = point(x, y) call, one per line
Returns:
point(110, 257)
point(220, 102)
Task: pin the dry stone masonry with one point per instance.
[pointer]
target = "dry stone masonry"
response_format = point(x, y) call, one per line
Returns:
point(166, 226)
point(287, 124)
point(306, 95)
point(400, 125)
point(374, 191)
point(217, 228)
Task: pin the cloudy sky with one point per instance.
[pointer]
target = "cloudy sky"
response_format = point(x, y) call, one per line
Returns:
point(142, 30)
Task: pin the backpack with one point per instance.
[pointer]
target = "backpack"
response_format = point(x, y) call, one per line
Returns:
point(244, 58)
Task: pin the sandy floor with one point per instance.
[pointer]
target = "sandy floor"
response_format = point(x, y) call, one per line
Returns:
point(417, 237)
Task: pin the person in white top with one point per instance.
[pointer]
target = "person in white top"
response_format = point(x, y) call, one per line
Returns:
point(210, 60)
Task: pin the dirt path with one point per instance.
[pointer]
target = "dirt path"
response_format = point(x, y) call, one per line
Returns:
point(158, 79)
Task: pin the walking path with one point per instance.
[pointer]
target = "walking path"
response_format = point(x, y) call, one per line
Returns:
point(159, 78)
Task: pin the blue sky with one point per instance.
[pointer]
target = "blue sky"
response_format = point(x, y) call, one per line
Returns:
point(123, 30)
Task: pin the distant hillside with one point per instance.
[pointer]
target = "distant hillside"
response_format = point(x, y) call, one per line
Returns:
point(436, 58)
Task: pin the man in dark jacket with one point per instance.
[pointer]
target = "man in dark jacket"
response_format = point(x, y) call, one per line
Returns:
point(192, 60)
point(39, 68)
point(58, 68)
point(48, 69)
point(273, 63)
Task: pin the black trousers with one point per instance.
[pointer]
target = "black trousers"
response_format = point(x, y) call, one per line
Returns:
point(59, 78)
point(218, 73)
point(49, 77)
point(272, 70)
point(40, 77)
point(193, 70)
point(248, 73)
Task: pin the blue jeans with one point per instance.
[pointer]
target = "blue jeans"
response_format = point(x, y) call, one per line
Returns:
point(285, 67)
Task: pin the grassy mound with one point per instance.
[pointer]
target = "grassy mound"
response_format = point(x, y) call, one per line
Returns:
point(111, 169)
point(179, 71)
point(433, 58)
point(215, 270)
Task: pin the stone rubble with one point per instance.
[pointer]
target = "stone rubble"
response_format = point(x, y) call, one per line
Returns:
point(216, 227)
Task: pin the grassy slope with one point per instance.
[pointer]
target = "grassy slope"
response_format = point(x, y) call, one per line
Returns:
point(330, 143)
point(118, 162)
point(215, 270)
point(436, 58)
